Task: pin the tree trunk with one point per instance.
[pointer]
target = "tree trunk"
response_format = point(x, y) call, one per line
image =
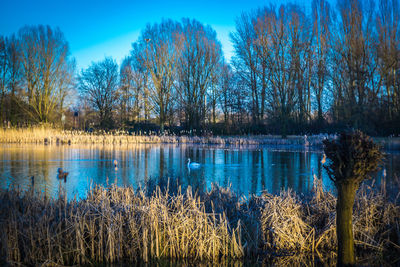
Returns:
point(320, 118)
point(344, 212)
point(283, 121)
point(162, 120)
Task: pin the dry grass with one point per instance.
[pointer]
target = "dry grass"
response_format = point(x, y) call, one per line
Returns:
point(43, 135)
point(113, 224)
point(117, 224)
point(282, 224)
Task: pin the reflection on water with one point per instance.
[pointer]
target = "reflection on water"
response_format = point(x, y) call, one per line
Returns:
point(247, 170)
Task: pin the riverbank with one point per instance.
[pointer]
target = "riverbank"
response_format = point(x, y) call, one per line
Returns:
point(119, 224)
point(39, 135)
point(53, 136)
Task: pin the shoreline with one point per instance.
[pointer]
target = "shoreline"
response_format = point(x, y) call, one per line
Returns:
point(54, 136)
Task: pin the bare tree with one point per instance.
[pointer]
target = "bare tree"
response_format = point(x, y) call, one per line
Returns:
point(262, 28)
point(161, 50)
point(388, 51)
point(321, 13)
point(3, 75)
point(15, 79)
point(281, 61)
point(125, 91)
point(246, 59)
point(227, 97)
point(354, 61)
point(48, 70)
point(300, 39)
point(140, 82)
point(201, 56)
point(98, 84)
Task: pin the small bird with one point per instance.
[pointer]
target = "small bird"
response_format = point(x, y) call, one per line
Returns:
point(62, 174)
point(323, 159)
point(115, 165)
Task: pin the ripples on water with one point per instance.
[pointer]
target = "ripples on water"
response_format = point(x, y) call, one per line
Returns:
point(248, 170)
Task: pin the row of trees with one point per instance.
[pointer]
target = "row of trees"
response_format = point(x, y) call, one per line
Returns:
point(171, 73)
point(341, 63)
point(291, 72)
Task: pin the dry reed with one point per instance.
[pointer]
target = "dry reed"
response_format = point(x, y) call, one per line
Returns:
point(117, 224)
point(43, 135)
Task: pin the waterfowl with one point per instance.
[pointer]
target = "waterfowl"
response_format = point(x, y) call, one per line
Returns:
point(62, 174)
point(323, 160)
point(192, 165)
point(115, 164)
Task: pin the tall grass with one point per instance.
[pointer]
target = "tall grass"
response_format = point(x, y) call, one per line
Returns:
point(43, 135)
point(116, 224)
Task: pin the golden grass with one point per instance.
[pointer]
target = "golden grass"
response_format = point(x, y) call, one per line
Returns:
point(46, 135)
point(116, 224)
point(283, 226)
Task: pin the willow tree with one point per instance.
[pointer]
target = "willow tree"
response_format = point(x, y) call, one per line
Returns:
point(47, 68)
point(352, 157)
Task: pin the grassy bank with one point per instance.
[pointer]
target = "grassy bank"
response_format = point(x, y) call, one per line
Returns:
point(116, 224)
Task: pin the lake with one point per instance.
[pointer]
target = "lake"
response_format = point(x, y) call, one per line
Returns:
point(248, 170)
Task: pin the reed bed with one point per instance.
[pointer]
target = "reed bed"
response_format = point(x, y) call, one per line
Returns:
point(120, 224)
point(43, 135)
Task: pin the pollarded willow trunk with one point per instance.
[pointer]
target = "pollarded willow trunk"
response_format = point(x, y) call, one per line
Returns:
point(351, 159)
point(344, 214)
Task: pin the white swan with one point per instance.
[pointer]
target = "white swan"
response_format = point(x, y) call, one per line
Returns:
point(192, 165)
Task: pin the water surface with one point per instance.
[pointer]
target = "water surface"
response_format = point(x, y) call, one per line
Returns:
point(248, 170)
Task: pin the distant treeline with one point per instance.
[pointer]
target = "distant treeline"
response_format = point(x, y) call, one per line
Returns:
point(333, 67)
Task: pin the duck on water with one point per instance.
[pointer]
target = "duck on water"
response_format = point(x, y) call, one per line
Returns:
point(62, 174)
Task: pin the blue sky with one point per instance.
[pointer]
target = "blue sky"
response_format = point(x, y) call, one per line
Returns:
point(95, 29)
